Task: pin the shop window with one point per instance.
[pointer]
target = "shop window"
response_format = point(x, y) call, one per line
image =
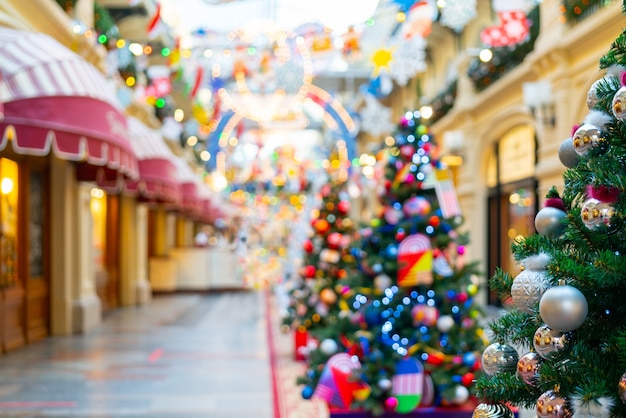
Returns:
point(9, 223)
point(99, 232)
point(512, 201)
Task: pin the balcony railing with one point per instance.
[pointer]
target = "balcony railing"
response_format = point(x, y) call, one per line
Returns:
point(484, 74)
point(576, 10)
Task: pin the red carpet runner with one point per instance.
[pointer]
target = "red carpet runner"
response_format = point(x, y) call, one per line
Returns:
point(288, 402)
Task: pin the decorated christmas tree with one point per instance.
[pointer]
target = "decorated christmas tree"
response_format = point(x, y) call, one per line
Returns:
point(318, 294)
point(417, 339)
point(561, 349)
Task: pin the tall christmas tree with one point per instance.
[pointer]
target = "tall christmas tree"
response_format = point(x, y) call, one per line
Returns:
point(417, 340)
point(562, 349)
point(318, 295)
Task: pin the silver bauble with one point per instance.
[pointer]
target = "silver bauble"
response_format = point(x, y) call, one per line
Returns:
point(384, 384)
point(618, 105)
point(592, 95)
point(595, 213)
point(563, 308)
point(567, 154)
point(382, 282)
point(621, 388)
point(551, 405)
point(499, 358)
point(548, 341)
point(548, 222)
point(527, 367)
point(527, 289)
point(329, 346)
point(487, 410)
point(586, 137)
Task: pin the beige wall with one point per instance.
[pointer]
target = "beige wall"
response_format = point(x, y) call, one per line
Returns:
point(566, 56)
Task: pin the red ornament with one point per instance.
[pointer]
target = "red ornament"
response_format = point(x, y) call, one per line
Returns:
point(461, 297)
point(400, 235)
point(341, 274)
point(407, 151)
point(334, 240)
point(343, 206)
point(309, 271)
point(308, 246)
point(436, 359)
point(467, 379)
point(434, 221)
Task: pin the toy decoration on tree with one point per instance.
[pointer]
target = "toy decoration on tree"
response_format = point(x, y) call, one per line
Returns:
point(573, 341)
point(514, 26)
point(415, 328)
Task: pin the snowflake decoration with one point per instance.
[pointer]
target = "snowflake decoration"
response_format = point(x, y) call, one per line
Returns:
point(409, 59)
point(375, 118)
point(289, 77)
point(458, 13)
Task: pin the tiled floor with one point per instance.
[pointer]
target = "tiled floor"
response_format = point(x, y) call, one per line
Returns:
point(179, 356)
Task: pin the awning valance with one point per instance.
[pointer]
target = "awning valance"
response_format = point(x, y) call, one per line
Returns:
point(158, 178)
point(189, 181)
point(55, 101)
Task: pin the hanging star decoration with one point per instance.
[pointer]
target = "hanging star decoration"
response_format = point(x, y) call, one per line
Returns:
point(382, 59)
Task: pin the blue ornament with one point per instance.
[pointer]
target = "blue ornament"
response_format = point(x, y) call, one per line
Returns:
point(377, 268)
point(469, 359)
point(307, 392)
point(392, 250)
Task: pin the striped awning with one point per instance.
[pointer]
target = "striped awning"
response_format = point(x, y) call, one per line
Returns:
point(191, 202)
point(158, 179)
point(54, 101)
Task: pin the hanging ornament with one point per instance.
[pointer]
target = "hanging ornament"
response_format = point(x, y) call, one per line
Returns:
point(407, 384)
point(308, 246)
point(487, 410)
point(445, 323)
point(547, 341)
point(513, 29)
point(416, 205)
point(621, 388)
point(530, 284)
point(618, 104)
point(382, 282)
point(329, 346)
point(595, 213)
point(419, 19)
point(549, 220)
point(334, 240)
point(567, 154)
point(343, 207)
point(527, 367)
point(384, 384)
point(415, 261)
point(499, 358)
point(551, 405)
point(563, 308)
point(328, 296)
point(591, 133)
point(592, 94)
point(392, 215)
point(424, 315)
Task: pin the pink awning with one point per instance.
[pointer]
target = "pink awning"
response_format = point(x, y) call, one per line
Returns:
point(157, 170)
point(54, 101)
point(191, 202)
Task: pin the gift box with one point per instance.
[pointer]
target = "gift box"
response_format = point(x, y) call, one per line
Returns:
point(300, 339)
